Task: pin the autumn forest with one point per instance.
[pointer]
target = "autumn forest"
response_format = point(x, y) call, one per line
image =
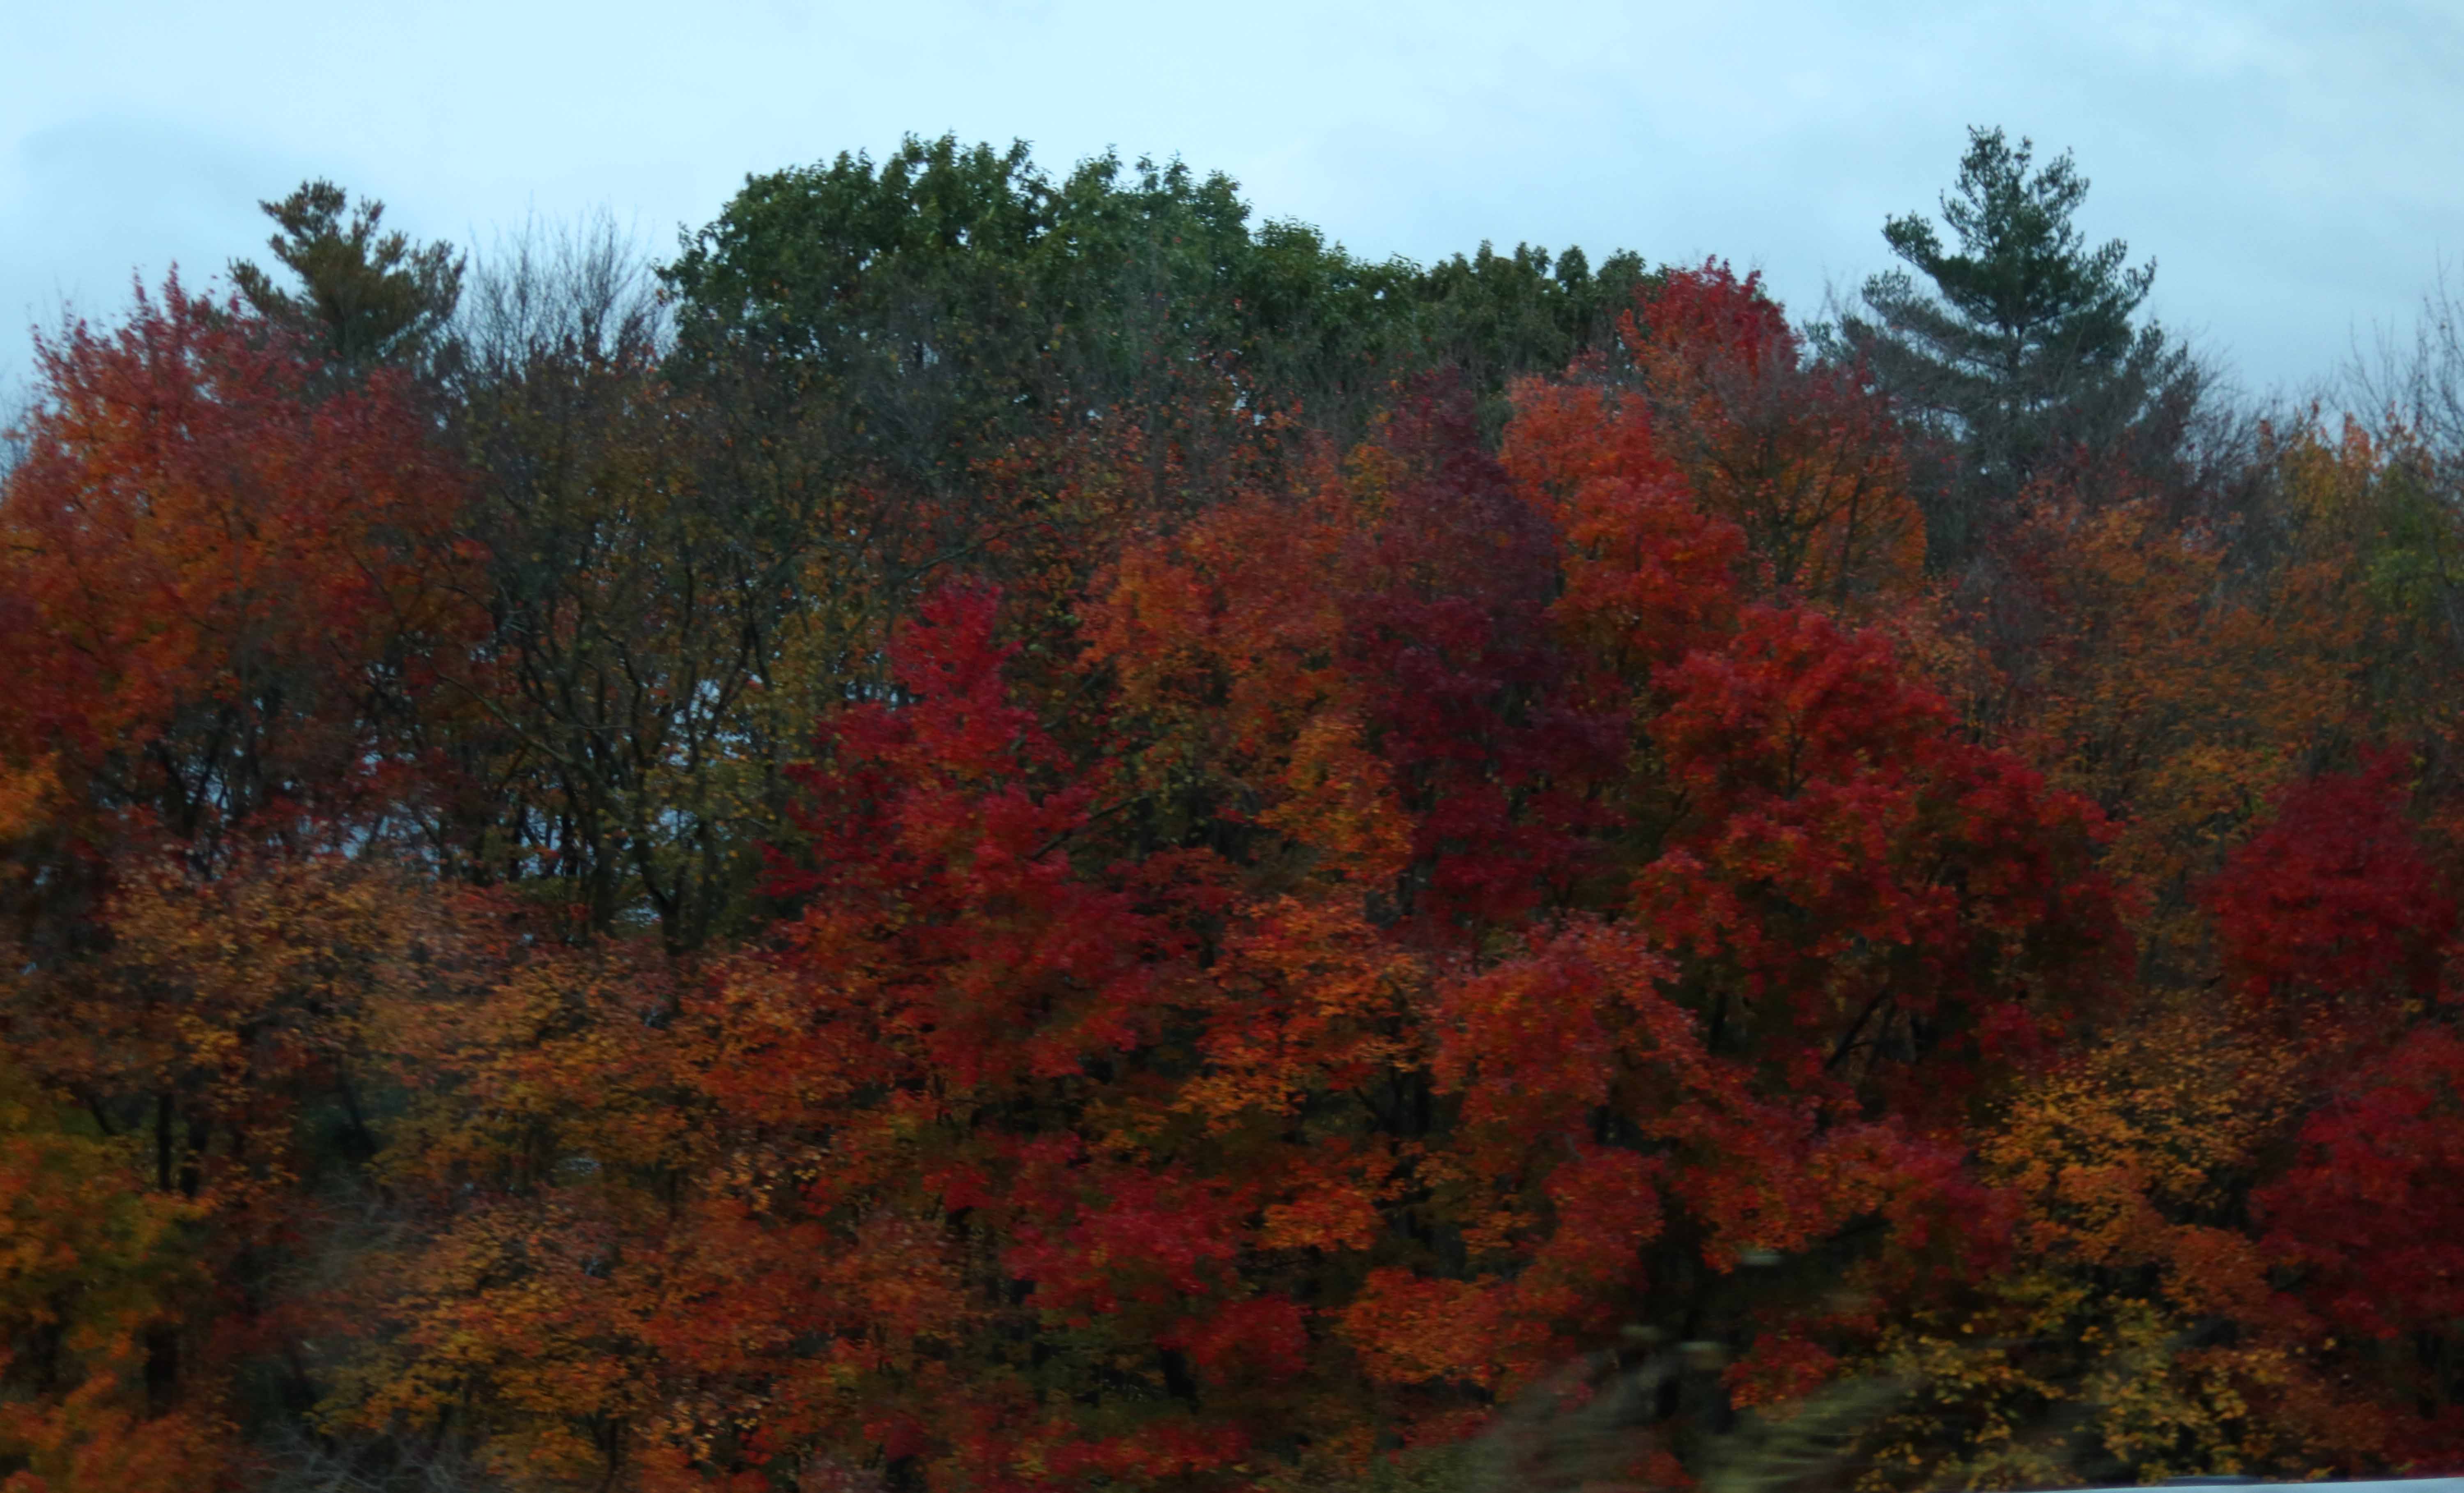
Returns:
point(1006, 829)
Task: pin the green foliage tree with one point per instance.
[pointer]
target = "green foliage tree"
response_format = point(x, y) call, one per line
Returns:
point(941, 299)
point(929, 308)
point(1489, 318)
point(365, 296)
point(2020, 350)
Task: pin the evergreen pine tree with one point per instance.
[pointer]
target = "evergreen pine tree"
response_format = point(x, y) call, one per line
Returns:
point(2019, 350)
point(365, 296)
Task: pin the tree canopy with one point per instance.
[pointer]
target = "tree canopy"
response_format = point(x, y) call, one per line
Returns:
point(1007, 831)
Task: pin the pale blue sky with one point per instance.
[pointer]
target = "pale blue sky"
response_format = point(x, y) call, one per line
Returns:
point(2295, 170)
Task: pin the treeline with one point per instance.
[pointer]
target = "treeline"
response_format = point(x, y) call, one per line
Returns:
point(1003, 830)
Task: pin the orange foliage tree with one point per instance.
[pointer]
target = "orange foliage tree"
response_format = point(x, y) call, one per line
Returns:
point(1794, 451)
point(230, 584)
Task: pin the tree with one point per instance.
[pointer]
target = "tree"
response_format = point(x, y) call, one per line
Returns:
point(96, 1273)
point(636, 611)
point(923, 311)
point(234, 587)
point(365, 297)
point(934, 301)
point(2023, 350)
point(2136, 1330)
point(1797, 455)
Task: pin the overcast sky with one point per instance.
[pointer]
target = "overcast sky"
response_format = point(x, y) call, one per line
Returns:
point(2296, 170)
